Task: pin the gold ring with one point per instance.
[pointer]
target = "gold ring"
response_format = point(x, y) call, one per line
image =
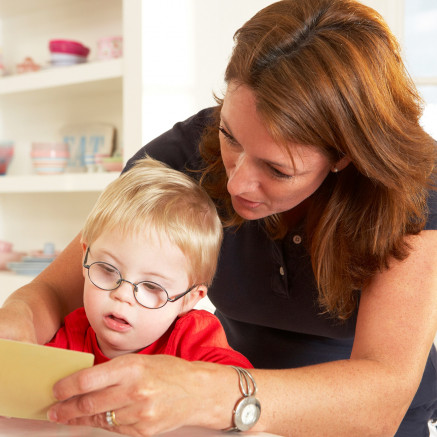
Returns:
point(110, 418)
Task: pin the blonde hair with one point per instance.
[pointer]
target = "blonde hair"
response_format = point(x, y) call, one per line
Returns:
point(154, 198)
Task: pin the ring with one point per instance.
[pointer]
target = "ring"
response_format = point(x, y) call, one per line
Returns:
point(110, 418)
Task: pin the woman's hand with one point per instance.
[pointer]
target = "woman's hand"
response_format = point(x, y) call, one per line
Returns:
point(35, 311)
point(148, 394)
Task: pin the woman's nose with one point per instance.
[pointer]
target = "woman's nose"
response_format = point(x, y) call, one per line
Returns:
point(242, 177)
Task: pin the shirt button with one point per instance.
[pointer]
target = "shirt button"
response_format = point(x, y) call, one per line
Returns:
point(281, 271)
point(297, 239)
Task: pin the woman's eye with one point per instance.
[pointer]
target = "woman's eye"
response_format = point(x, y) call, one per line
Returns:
point(228, 136)
point(278, 174)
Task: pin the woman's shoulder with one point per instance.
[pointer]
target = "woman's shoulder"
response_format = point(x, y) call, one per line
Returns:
point(178, 147)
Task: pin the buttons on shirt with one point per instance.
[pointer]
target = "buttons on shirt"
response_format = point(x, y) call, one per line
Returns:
point(297, 239)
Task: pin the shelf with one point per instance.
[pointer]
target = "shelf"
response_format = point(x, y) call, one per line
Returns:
point(421, 81)
point(63, 183)
point(61, 76)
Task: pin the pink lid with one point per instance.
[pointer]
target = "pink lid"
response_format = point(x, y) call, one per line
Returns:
point(68, 46)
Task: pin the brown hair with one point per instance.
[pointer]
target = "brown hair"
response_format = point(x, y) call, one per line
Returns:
point(328, 73)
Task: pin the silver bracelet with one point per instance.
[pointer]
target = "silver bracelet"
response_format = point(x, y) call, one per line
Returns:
point(248, 409)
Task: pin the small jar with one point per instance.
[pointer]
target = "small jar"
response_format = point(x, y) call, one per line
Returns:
point(110, 48)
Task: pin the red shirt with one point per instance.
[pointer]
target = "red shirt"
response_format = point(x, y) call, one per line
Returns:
point(195, 336)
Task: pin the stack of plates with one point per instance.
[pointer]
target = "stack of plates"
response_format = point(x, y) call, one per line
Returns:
point(30, 265)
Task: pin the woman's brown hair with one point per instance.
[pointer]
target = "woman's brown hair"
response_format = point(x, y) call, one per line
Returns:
point(328, 73)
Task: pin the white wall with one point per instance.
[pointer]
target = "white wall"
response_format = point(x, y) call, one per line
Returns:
point(185, 55)
point(186, 45)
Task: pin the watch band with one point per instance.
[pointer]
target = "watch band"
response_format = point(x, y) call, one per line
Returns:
point(248, 408)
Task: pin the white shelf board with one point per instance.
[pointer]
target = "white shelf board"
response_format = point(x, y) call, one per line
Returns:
point(61, 76)
point(431, 80)
point(62, 183)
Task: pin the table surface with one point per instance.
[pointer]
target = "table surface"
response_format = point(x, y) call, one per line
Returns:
point(41, 428)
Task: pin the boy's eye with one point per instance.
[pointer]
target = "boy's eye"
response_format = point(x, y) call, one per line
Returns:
point(106, 268)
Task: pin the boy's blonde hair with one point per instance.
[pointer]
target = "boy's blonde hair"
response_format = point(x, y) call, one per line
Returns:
point(154, 198)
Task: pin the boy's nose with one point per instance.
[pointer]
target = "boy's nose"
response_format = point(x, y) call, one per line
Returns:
point(125, 292)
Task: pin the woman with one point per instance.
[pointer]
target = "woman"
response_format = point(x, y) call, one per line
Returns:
point(321, 173)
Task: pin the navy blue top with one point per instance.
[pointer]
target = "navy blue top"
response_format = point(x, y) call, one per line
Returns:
point(264, 291)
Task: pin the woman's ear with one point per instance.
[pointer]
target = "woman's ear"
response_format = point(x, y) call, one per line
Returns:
point(191, 299)
point(341, 164)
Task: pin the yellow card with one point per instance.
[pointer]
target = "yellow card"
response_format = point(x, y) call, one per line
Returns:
point(28, 373)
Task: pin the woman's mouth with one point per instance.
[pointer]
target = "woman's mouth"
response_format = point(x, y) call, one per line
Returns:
point(241, 201)
point(117, 323)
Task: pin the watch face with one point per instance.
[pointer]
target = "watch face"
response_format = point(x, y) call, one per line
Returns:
point(247, 413)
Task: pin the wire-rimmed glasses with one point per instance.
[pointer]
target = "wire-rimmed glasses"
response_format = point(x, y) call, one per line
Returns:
point(147, 293)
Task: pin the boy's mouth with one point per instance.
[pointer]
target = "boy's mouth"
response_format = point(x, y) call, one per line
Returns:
point(117, 323)
point(118, 319)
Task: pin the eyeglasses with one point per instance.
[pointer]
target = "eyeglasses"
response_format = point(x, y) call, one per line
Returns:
point(148, 294)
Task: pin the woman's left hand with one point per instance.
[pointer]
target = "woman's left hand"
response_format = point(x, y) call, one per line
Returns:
point(148, 395)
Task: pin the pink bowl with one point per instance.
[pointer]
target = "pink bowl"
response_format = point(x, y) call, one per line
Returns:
point(68, 46)
point(6, 153)
point(47, 162)
point(49, 146)
point(99, 157)
point(7, 257)
point(6, 149)
point(50, 154)
point(5, 246)
point(110, 47)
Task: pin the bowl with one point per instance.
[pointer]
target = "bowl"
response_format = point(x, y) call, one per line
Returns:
point(6, 154)
point(113, 163)
point(68, 46)
point(10, 257)
point(110, 47)
point(49, 157)
point(49, 146)
point(49, 165)
point(60, 59)
point(98, 160)
point(5, 246)
point(4, 164)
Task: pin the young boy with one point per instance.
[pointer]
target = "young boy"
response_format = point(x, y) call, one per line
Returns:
point(150, 248)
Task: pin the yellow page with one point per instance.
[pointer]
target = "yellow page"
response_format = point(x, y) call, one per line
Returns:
point(28, 373)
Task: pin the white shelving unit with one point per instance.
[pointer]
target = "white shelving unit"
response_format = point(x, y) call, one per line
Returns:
point(34, 107)
point(58, 77)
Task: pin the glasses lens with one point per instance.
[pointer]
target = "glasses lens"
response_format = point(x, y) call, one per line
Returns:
point(104, 276)
point(151, 295)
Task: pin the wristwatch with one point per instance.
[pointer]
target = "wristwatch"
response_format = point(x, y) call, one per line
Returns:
point(248, 409)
